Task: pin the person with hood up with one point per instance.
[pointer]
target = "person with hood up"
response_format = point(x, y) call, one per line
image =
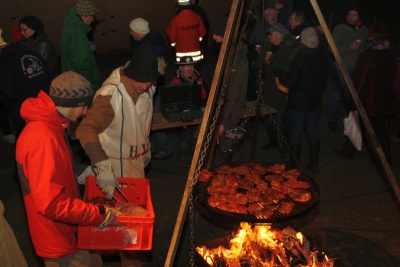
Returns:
point(48, 182)
point(76, 53)
point(34, 37)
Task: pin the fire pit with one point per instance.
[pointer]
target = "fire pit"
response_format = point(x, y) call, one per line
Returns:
point(261, 246)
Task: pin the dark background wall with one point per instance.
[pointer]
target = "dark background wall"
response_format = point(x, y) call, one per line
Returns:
point(112, 33)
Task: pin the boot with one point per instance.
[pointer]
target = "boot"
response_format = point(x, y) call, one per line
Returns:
point(296, 156)
point(314, 156)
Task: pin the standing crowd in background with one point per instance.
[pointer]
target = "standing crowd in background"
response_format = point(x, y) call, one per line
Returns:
point(48, 100)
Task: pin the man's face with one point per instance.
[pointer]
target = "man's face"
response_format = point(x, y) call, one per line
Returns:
point(139, 87)
point(77, 112)
point(88, 19)
point(271, 16)
point(135, 35)
point(293, 22)
point(187, 70)
point(352, 17)
point(275, 38)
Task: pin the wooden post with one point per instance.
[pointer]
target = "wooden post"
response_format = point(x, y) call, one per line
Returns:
point(356, 99)
point(225, 59)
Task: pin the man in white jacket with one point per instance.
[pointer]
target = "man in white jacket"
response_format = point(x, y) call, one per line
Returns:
point(115, 132)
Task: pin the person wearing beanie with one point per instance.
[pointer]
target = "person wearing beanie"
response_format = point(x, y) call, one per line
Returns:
point(235, 99)
point(76, 52)
point(34, 37)
point(185, 32)
point(350, 38)
point(306, 82)
point(125, 101)
point(115, 132)
point(52, 201)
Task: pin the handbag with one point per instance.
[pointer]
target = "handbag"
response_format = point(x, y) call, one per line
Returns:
point(352, 129)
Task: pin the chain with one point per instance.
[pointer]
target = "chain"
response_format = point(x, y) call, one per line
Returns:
point(200, 163)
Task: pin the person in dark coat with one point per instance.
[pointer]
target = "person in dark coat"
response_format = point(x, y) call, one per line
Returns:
point(307, 80)
point(277, 61)
point(35, 38)
point(374, 78)
point(23, 73)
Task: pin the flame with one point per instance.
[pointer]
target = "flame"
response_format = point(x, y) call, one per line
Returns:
point(300, 237)
point(262, 246)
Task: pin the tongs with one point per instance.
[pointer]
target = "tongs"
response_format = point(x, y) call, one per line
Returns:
point(122, 193)
point(96, 173)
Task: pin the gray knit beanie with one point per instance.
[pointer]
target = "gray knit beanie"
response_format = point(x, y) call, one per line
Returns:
point(309, 37)
point(85, 8)
point(71, 89)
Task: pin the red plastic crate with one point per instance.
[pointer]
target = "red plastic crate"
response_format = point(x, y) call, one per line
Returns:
point(137, 235)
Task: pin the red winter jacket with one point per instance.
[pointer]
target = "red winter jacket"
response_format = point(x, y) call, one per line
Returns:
point(185, 32)
point(48, 182)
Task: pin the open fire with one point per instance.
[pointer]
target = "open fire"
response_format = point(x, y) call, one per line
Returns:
point(263, 246)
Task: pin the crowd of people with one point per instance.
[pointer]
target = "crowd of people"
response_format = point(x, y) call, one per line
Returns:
point(45, 94)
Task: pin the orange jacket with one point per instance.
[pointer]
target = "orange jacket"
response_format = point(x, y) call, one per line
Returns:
point(48, 181)
point(185, 32)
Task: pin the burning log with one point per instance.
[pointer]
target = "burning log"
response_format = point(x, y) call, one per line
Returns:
point(265, 247)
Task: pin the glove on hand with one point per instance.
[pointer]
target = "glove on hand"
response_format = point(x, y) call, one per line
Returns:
point(110, 217)
point(106, 179)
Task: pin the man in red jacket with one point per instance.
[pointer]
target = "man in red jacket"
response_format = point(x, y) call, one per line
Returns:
point(48, 181)
point(185, 32)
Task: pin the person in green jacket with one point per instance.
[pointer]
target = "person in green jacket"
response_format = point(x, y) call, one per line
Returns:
point(76, 54)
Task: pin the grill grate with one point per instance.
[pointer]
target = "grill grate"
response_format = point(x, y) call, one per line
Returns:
point(212, 213)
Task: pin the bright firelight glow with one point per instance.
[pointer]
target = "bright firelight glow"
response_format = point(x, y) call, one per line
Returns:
point(262, 246)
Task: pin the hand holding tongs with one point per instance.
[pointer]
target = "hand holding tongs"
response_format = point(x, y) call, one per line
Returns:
point(96, 173)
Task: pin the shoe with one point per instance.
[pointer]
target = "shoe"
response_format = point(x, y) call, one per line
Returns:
point(161, 155)
point(342, 154)
point(333, 126)
point(9, 138)
point(269, 146)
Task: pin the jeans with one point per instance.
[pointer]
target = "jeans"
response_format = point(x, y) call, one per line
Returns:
point(303, 120)
point(339, 91)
